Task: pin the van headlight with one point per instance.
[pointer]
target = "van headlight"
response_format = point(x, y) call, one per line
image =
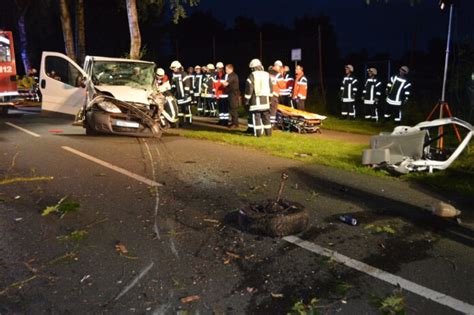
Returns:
point(109, 107)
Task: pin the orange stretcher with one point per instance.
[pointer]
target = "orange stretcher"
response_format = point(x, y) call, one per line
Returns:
point(291, 119)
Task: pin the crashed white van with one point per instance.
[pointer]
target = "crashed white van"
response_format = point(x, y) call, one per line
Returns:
point(107, 95)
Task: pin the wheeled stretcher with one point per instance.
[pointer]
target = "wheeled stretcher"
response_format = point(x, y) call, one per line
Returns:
point(291, 119)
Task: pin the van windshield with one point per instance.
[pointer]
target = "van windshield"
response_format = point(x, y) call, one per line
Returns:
point(134, 74)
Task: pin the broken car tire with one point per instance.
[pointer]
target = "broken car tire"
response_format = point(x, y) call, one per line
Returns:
point(274, 219)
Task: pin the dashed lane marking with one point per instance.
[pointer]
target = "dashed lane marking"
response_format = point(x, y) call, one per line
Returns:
point(31, 133)
point(113, 167)
point(427, 293)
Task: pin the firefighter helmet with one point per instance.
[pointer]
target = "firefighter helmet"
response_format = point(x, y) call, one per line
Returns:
point(372, 70)
point(160, 71)
point(197, 67)
point(219, 65)
point(349, 67)
point(278, 63)
point(210, 67)
point(405, 69)
point(255, 63)
point(175, 65)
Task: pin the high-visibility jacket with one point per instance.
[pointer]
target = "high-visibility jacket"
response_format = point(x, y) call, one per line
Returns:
point(278, 82)
point(258, 90)
point(218, 85)
point(288, 85)
point(398, 90)
point(207, 85)
point(163, 84)
point(372, 91)
point(349, 89)
point(198, 78)
point(300, 89)
point(181, 87)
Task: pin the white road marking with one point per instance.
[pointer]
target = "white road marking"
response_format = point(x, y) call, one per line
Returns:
point(427, 293)
point(135, 281)
point(113, 167)
point(31, 133)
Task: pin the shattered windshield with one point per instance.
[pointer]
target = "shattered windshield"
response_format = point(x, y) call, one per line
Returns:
point(134, 74)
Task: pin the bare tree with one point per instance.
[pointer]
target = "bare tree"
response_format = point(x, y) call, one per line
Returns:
point(135, 37)
point(67, 29)
point(80, 32)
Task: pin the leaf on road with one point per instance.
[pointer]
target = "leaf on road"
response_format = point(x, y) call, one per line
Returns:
point(25, 179)
point(119, 247)
point(190, 299)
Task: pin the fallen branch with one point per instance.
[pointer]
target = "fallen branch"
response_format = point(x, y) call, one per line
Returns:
point(25, 179)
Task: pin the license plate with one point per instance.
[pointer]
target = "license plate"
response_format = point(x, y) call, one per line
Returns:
point(129, 124)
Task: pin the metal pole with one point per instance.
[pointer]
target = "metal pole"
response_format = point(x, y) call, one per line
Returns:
point(443, 94)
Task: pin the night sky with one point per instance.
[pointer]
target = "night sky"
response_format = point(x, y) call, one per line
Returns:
point(379, 27)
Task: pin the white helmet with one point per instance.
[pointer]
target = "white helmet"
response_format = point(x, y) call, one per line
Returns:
point(197, 67)
point(175, 64)
point(219, 65)
point(210, 67)
point(278, 63)
point(255, 63)
point(160, 71)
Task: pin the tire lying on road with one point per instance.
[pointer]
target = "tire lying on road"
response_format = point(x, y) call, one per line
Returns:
point(274, 219)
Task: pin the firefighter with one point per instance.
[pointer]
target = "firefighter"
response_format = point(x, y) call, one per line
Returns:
point(398, 92)
point(286, 92)
point(181, 88)
point(191, 75)
point(197, 89)
point(222, 98)
point(162, 82)
point(371, 95)
point(207, 86)
point(278, 84)
point(348, 93)
point(232, 89)
point(258, 91)
point(300, 89)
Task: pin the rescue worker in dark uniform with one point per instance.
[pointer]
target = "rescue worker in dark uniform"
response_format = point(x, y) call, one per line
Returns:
point(371, 95)
point(207, 86)
point(398, 92)
point(258, 91)
point(348, 93)
point(198, 76)
point(181, 88)
point(190, 73)
point(232, 89)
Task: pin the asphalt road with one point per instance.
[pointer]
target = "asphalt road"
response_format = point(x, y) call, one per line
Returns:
point(182, 238)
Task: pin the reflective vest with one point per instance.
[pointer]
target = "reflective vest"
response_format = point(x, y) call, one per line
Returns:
point(258, 89)
point(398, 90)
point(301, 87)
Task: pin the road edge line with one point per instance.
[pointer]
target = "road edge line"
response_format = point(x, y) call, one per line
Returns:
point(420, 290)
point(113, 167)
point(31, 133)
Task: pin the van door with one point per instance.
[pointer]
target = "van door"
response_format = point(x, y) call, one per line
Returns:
point(61, 84)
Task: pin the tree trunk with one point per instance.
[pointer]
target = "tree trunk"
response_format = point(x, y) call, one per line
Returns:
point(67, 29)
point(80, 32)
point(135, 37)
point(23, 41)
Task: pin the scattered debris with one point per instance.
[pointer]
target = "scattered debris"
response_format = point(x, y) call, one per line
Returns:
point(380, 229)
point(65, 257)
point(190, 162)
point(25, 179)
point(190, 299)
point(85, 278)
point(63, 207)
point(18, 219)
point(277, 295)
point(251, 290)
point(303, 154)
point(391, 304)
point(211, 221)
point(300, 308)
point(119, 247)
point(76, 235)
point(444, 210)
point(347, 218)
point(100, 174)
point(17, 197)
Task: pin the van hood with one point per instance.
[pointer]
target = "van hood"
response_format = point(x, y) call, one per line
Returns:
point(127, 93)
